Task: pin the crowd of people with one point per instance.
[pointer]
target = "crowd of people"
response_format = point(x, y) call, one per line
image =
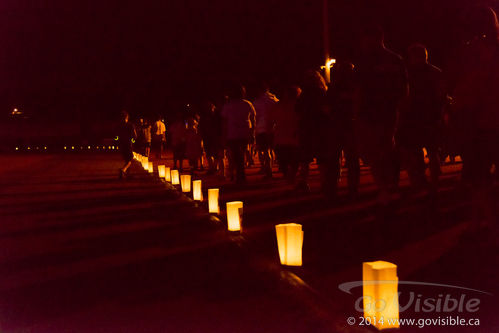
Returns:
point(381, 110)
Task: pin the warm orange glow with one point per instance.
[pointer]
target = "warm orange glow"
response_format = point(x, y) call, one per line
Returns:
point(161, 171)
point(381, 305)
point(290, 243)
point(197, 192)
point(185, 183)
point(175, 177)
point(150, 167)
point(234, 215)
point(168, 176)
point(213, 206)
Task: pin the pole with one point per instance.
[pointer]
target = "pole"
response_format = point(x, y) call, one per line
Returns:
point(325, 37)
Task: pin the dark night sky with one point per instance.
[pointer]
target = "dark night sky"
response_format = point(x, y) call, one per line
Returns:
point(94, 57)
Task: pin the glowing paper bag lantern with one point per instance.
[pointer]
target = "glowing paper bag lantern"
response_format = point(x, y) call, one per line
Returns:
point(234, 215)
point(290, 243)
point(380, 284)
point(175, 177)
point(197, 192)
point(168, 176)
point(150, 167)
point(161, 171)
point(185, 183)
point(213, 206)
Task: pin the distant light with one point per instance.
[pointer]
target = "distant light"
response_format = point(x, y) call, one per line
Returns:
point(45, 148)
point(88, 147)
point(113, 147)
point(72, 147)
point(17, 148)
point(109, 147)
point(329, 63)
point(29, 148)
point(97, 147)
point(116, 138)
point(65, 147)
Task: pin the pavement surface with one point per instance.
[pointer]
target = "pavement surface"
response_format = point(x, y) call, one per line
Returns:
point(83, 251)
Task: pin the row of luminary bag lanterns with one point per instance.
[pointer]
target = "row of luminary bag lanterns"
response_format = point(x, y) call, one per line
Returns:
point(380, 281)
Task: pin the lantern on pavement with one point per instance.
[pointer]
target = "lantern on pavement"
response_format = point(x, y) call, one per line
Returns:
point(213, 206)
point(168, 176)
point(234, 215)
point(290, 243)
point(161, 171)
point(197, 192)
point(380, 284)
point(175, 177)
point(185, 183)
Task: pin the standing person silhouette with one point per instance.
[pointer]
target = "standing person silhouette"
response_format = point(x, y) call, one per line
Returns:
point(238, 116)
point(126, 135)
point(264, 106)
point(382, 87)
point(314, 128)
point(477, 101)
point(341, 97)
point(159, 137)
point(421, 121)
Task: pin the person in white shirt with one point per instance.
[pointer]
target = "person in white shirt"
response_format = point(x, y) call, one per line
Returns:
point(159, 136)
point(238, 123)
point(264, 105)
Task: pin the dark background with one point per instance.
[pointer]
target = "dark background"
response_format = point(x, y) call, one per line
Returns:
point(85, 60)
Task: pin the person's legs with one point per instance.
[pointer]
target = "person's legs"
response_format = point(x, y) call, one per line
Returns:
point(263, 144)
point(237, 151)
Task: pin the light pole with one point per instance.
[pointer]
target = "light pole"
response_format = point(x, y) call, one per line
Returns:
point(328, 62)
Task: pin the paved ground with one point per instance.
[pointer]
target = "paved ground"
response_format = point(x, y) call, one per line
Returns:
point(85, 252)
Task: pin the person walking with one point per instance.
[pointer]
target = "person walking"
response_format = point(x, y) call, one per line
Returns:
point(382, 88)
point(238, 116)
point(126, 136)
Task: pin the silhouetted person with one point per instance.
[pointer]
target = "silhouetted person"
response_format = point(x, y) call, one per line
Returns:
point(382, 88)
point(126, 134)
point(286, 137)
point(238, 117)
point(477, 101)
point(264, 129)
point(193, 144)
point(176, 131)
point(314, 129)
point(210, 128)
point(144, 136)
point(421, 121)
point(159, 136)
point(341, 96)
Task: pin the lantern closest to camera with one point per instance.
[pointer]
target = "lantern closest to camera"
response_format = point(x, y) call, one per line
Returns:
point(234, 215)
point(290, 243)
point(175, 177)
point(150, 167)
point(380, 289)
point(213, 206)
point(185, 183)
point(161, 171)
point(197, 192)
point(168, 176)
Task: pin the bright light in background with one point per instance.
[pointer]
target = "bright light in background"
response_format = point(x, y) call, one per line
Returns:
point(327, 69)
